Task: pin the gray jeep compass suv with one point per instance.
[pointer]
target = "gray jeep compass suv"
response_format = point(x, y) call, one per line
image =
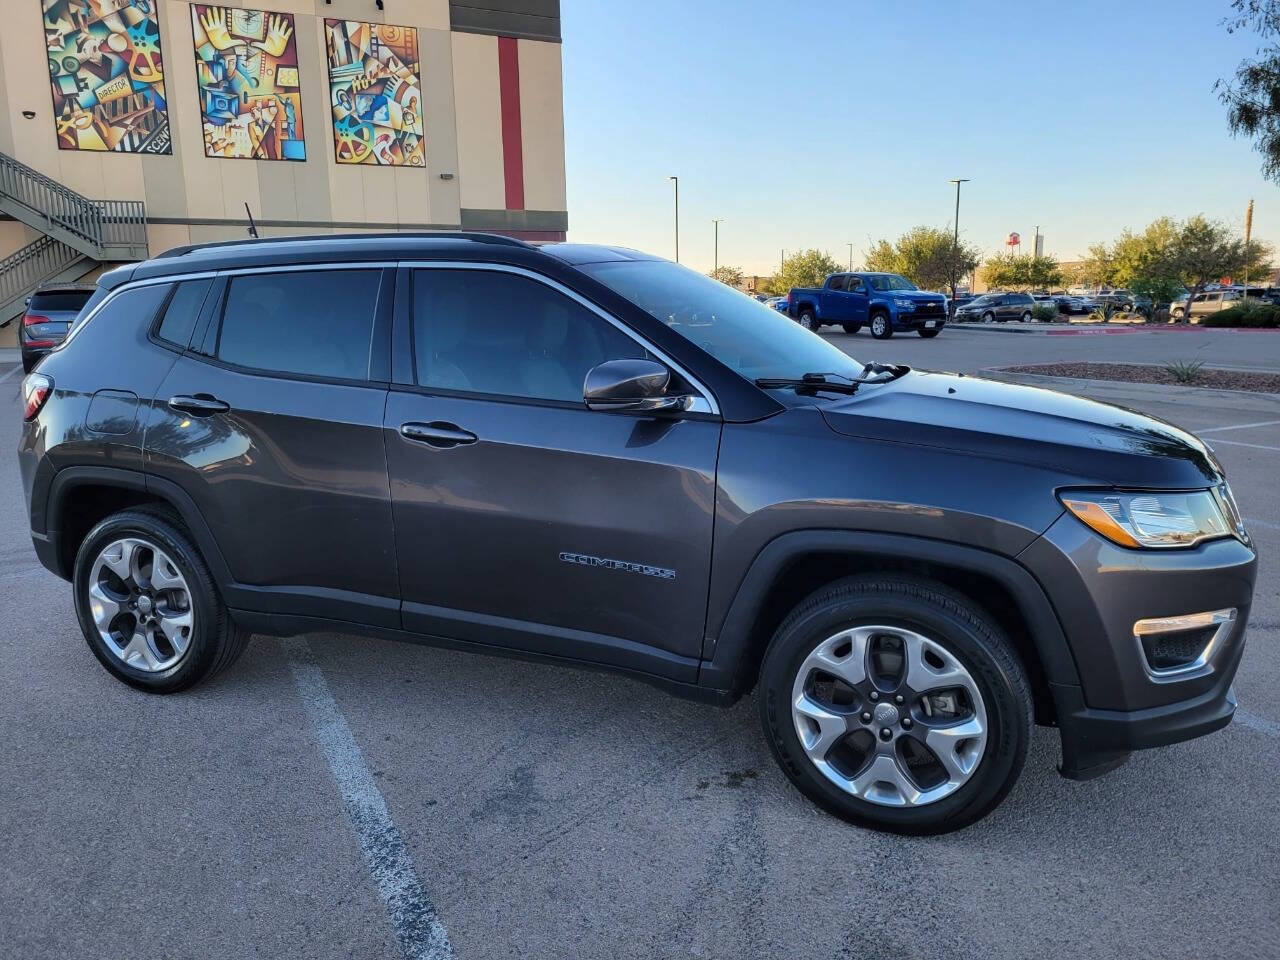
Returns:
point(597, 457)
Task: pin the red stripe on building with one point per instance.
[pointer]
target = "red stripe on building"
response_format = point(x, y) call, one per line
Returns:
point(512, 146)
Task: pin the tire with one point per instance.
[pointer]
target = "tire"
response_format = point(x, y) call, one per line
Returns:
point(1026, 316)
point(213, 641)
point(928, 334)
point(1176, 314)
point(947, 627)
point(881, 326)
point(851, 327)
point(988, 317)
point(809, 320)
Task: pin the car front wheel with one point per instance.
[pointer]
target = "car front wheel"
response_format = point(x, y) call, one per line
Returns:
point(148, 606)
point(988, 317)
point(881, 327)
point(896, 703)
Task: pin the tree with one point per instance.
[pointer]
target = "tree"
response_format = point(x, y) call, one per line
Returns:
point(1099, 267)
point(808, 268)
point(729, 276)
point(926, 256)
point(1204, 252)
point(1022, 271)
point(1252, 98)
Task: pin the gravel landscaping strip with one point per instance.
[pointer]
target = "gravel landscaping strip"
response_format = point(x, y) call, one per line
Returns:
point(1151, 373)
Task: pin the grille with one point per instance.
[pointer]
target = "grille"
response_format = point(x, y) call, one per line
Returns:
point(1168, 651)
point(929, 309)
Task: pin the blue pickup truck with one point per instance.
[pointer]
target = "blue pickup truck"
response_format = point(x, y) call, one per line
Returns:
point(885, 302)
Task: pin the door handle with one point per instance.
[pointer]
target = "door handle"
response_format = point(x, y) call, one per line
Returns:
point(437, 434)
point(199, 405)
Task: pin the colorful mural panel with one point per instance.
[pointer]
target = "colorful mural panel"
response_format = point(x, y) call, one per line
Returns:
point(247, 71)
point(107, 75)
point(375, 93)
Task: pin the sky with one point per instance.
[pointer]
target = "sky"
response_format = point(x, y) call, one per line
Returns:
point(817, 123)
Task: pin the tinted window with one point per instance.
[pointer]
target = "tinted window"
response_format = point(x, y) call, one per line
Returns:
point(500, 333)
point(182, 312)
point(316, 323)
point(837, 283)
point(127, 311)
point(855, 285)
point(69, 301)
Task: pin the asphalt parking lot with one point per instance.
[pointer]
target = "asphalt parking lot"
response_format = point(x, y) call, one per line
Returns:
point(341, 797)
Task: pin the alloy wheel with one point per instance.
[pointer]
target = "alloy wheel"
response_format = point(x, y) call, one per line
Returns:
point(889, 715)
point(878, 326)
point(141, 605)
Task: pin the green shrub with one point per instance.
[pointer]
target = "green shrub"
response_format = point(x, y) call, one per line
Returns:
point(1045, 312)
point(1184, 371)
point(1250, 313)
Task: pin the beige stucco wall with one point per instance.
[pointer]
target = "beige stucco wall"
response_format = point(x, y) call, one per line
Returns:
point(460, 111)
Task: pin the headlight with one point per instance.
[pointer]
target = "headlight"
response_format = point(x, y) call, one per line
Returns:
point(1152, 519)
point(905, 304)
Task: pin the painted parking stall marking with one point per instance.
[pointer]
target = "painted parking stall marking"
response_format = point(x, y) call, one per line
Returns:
point(413, 915)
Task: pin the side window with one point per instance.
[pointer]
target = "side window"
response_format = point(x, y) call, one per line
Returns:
point(855, 285)
point(505, 334)
point(133, 310)
point(315, 323)
point(182, 312)
point(838, 283)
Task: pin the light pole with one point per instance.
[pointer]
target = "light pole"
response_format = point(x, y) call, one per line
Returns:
point(851, 258)
point(676, 181)
point(717, 260)
point(955, 241)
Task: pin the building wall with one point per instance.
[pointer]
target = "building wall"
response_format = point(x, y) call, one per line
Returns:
point(465, 183)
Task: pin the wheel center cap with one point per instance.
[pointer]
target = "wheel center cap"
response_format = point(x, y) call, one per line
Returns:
point(886, 715)
point(144, 607)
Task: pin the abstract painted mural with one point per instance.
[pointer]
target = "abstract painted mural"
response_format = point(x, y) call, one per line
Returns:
point(107, 75)
point(247, 72)
point(375, 93)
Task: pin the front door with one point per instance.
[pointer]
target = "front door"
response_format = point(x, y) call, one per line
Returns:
point(522, 518)
point(858, 299)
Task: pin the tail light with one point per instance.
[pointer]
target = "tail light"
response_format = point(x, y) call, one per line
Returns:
point(36, 389)
point(31, 319)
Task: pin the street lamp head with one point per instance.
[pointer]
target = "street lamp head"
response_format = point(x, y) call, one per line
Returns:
point(961, 180)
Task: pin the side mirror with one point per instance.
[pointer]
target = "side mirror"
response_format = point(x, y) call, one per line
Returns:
point(631, 385)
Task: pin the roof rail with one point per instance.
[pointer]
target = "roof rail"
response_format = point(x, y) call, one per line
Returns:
point(473, 237)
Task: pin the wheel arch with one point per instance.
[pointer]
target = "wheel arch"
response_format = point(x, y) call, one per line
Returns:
point(794, 565)
point(80, 497)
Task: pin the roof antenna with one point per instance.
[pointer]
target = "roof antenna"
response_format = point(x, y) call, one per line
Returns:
point(253, 228)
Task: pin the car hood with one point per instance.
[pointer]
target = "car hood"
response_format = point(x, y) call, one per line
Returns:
point(1089, 442)
point(917, 295)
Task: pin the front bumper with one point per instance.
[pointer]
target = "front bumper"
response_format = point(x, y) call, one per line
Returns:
point(911, 321)
point(1100, 592)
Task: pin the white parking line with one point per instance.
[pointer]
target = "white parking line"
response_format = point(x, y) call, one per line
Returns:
point(1241, 443)
point(1255, 722)
point(413, 916)
point(1239, 426)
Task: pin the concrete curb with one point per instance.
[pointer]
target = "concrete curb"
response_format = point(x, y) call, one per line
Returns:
point(1158, 392)
point(1099, 330)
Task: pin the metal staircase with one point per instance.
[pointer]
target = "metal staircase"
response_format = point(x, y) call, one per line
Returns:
point(77, 232)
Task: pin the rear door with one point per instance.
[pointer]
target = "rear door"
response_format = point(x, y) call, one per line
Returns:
point(272, 424)
point(522, 518)
point(835, 300)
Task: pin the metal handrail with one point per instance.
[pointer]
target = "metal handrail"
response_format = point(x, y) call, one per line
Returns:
point(110, 227)
point(26, 268)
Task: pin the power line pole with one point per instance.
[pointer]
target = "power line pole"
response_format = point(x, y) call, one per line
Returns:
point(676, 180)
point(851, 258)
point(717, 260)
point(955, 241)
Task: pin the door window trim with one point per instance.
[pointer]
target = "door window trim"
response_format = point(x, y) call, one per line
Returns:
point(704, 400)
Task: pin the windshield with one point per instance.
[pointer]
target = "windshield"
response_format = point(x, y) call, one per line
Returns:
point(741, 333)
point(889, 281)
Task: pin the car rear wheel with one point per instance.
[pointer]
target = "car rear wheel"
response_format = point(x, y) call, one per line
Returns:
point(896, 703)
point(1026, 316)
point(928, 334)
point(148, 606)
point(808, 320)
point(851, 327)
point(881, 328)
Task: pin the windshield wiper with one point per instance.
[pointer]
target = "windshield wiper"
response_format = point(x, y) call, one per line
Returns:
point(813, 382)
